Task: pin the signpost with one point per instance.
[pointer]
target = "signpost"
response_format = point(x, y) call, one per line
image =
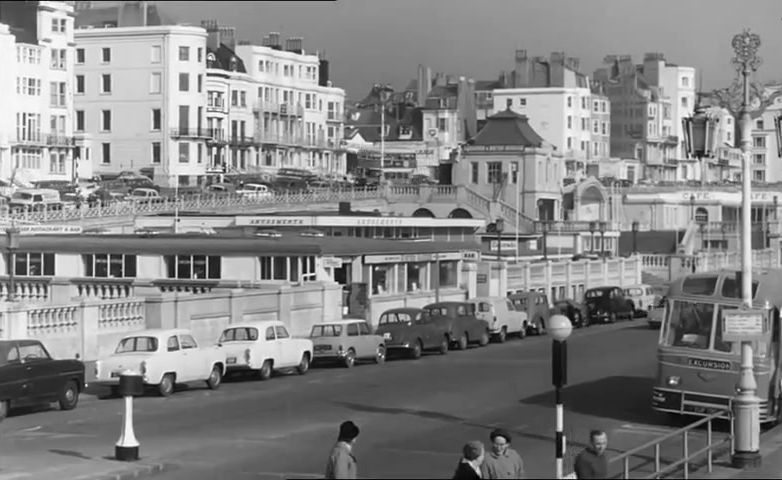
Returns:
point(744, 325)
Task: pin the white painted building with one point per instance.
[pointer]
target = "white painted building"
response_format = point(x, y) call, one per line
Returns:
point(765, 154)
point(572, 119)
point(140, 100)
point(36, 91)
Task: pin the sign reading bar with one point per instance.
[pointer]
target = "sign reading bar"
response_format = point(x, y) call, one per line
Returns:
point(49, 229)
point(331, 262)
point(744, 325)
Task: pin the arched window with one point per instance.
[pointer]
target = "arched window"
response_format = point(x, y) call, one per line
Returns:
point(701, 215)
point(233, 64)
point(210, 60)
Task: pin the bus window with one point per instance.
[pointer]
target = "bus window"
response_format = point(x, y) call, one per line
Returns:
point(731, 289)
point(690, 325)
point(697, 285)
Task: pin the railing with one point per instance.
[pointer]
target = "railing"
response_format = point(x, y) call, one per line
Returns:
point(687, 456)
point(60, 140)
point(575, 226)
point(241, 141)
point(668, 266)
point(189, 132)
point(478, 201)
point(30, 138)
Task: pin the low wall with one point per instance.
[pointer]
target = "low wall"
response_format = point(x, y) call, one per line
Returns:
point(379, 304)
point(92, 328)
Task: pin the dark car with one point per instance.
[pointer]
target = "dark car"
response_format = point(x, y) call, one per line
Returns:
point(460, 322)
point(29, 375)
point(607, 304)
point(411, 331)
point(575, 311)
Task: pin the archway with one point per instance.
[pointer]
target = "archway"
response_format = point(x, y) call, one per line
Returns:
point(459, 213)
point(423, 212)
point(590, 204)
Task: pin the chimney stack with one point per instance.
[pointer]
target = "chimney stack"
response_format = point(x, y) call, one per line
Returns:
point(274, 40)
point(294, 44)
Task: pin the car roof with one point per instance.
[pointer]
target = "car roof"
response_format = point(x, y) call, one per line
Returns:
point(445, 304)
point(159, 332)
point(638, 285)
point(260, 324)
point(487, 299)
point(595, 289)
point(344, 321)
point(402, 309)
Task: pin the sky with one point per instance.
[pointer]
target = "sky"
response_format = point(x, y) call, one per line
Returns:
point(384, 41)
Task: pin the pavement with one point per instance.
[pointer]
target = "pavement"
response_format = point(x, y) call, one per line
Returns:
point(771, 466)
point(414, 416)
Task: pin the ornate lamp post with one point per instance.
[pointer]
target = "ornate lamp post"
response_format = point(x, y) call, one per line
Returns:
point(12, 236)
point(692, 207)
point(635, 237)
point(559, 328)
point(700, 135)
point(746, 403)
point(592, 227)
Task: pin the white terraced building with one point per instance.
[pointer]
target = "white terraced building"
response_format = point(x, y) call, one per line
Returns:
point(36, 91)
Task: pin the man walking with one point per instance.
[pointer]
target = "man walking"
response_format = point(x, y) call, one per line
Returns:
point(592, 462)
point(469, 467)
point(502, 461)
point(342, 463)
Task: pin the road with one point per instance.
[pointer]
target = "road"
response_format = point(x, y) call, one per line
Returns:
point(414, 416)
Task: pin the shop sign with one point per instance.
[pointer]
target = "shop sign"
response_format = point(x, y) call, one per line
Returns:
point(331, 262)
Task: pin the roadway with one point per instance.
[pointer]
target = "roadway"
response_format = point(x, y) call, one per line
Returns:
point(414, 416)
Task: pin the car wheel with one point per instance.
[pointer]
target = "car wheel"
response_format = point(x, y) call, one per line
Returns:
point(444, 345)
point(350, 358)
point(265, 372)
point(3, 409)
point(416, 351)
point(69, 397)
point(215, 378)
point(578, 321)
point(304, 364)
point(166, 387)
point(523, 331)
point(463, 341)
point(503, 335)
point(484, 339)
point(380, 355)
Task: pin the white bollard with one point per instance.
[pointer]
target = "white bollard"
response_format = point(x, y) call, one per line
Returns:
point(127, 447)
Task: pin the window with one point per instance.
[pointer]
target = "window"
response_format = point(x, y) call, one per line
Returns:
point(270, 333)
point(105, 55)
point(57, 94)
point(156, 119)
point(494, 172)
point(475, 170)
point(79, 56)
point(442, 124)
point(79, 83)
point(155, 54)
point(154, 82)
point(193, 266)
point(685, 81)
point(287, 268)
point(184, 82)
point(596, 106)
point(109, 265)
point(760, 158)
point(106, 150)
point(583, 103)
point(105, 85)
point(522, 102)
point(105, 120)
point(243, 98)
point(382, 278)
point(200, 83)
point(352, 329)
point(234, 98)
point(281, 332)
point(184, 54)
point(416, 277)
point(684, 102)
point(172, 345)
point(569, 121)
point(569, 101)
point(79, 120)
point(200, 54)
point(239, 334)
point(508, 102)
point(184, 152)
point(759, 124)
point(603, 128)
point(448, 274)
point(34, 264)
point(188, 342)
point(156, 152)
point(363, 329)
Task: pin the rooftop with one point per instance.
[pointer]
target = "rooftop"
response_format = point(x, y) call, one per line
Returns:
point(507, 128)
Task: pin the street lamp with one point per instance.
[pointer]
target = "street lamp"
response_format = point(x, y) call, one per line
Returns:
point(592, 227)
point(602, 239)
point(746, 403)
point(559, 327)
point(12, 236)
point(700, 135)
point(545, 226)
point(635, 237)
point(692, 207)
point(702, 228)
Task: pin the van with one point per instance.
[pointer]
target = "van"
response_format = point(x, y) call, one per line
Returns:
point(35, 199)
point(255, 190)
point(502, 317)
point(536, 305)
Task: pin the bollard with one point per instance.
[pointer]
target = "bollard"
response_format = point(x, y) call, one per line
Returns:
point(130, 384)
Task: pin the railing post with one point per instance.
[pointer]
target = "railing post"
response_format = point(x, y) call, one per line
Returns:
point(708, 441)
point(656, 458)
point(686, 454)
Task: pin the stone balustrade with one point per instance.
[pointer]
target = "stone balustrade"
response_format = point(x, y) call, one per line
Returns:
point(668, 267)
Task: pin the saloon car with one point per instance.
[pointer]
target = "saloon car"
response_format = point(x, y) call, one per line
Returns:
point(263, 347)
point(29, 375)
point(461, 323)
point(346, 341)
point(537, 308)
point(643, 297)
point(164, 357)
point(607, 304)
point(410, 331)
point(502, 317)
point(575, 311)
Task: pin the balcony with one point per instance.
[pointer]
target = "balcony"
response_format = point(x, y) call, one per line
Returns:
point(181, 132)
point(55, 140)
point(218, 106)
point(266, 106)
point(290, 109)
point(335, 116)
point(240, 141)
point(30, 138)
point(216, 136)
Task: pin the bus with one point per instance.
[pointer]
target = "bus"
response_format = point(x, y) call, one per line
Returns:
point(697, 371)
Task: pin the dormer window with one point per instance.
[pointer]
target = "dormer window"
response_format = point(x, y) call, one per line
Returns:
point(233, 64)
point(210, 60)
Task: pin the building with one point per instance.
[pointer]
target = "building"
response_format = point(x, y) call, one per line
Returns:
point(154, 118)
point(765, 143)
point(36, 91)
point(298, 112)
point(559, 102)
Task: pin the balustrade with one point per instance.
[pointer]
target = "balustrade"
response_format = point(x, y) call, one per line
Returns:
point(123, 315)
point(52, 320)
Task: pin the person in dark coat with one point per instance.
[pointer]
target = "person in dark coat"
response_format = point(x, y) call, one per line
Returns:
point(592, 462)
point(341, 462)
point(469, 467)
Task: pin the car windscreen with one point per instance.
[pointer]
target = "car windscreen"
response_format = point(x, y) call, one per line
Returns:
point(239, 334)
point(436, 311)
point(636, 292)
point(137, 344)
point(326, 331)
point(595, 293)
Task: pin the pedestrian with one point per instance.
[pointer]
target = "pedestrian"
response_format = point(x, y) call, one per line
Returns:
point(502, 461)
point(342, 463)
point(592, 462)
point(469, 467)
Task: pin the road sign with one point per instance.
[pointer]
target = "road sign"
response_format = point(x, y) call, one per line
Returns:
point(744, 325)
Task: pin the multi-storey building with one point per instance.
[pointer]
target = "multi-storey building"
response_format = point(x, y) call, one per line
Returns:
point(36, 92)
point(765, 153)
point(298, 112)
point(559, 102)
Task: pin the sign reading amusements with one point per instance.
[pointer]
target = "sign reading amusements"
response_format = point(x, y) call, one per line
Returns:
point(744, 325)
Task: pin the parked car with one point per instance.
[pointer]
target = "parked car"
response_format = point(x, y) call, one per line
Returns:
point(145, 195)
point(163, 357)
point(262, 347)
point(502, 317)
point(577, 312)
point(643, 298)
point(346, 341)
point(29, 375)
point(607, 304)
point(409, 330)
point(35, 199)
point(462, 324)
point(255, 190)
point(537, 307)
point(656, 314)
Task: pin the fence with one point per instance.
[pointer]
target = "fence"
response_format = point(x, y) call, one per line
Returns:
point(668, 267)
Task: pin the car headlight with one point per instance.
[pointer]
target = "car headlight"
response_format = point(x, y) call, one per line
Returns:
point(673, 381)
point(97, 369)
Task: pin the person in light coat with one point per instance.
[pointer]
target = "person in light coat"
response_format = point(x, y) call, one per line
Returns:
point(342, 462)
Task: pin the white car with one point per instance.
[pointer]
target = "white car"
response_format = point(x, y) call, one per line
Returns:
point(255, 190)
point(163, 357)
point(503, 318)
point(263, 347)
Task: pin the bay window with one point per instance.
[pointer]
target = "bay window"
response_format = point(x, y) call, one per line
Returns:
point(193, 266)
